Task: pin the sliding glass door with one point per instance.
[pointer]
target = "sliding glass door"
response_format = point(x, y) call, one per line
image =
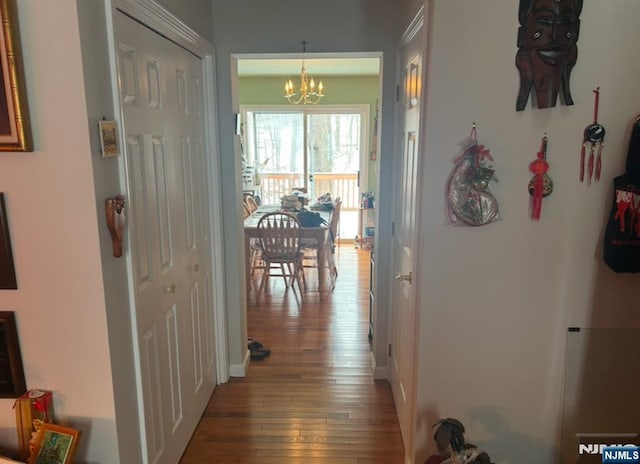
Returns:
point(317, 148)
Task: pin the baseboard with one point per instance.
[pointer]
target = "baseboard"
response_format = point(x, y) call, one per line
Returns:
point(379, 372)
point(240, 370)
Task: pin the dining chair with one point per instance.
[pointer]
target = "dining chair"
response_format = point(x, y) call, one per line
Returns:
point(251, 202)
point(310, 247)
point(279, 235)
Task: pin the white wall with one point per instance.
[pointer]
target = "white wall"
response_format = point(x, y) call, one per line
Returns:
point(59, 304)
point(496, 301)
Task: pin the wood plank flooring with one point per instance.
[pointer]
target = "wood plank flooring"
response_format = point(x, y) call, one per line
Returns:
point(314, 400)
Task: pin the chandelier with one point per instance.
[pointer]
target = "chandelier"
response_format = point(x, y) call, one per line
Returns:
point(309, 94)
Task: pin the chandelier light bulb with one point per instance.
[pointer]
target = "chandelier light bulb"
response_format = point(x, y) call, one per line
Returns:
point(308, 94)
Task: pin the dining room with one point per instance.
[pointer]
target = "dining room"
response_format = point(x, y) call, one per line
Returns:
point(307, 130)
point(295, 241)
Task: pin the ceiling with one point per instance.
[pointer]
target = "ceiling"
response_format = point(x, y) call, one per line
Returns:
point(315, 66)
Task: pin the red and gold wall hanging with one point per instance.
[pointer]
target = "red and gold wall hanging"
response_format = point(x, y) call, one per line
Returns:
point(540, 185)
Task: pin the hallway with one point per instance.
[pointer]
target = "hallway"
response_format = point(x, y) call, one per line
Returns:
point(313, 400)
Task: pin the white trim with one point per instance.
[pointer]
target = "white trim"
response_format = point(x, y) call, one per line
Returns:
point(380, 373)
point(158, 18)
point(414, 27)
point(240, 370)
point(307, 55)
point(215, 227)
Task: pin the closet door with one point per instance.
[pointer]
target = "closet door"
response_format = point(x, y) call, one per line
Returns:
point(161, 91)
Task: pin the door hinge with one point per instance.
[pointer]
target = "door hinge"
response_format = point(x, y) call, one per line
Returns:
point(389, 351)
point(397, 93)
point(393, 229)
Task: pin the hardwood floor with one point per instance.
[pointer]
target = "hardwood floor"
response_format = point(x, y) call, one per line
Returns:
point(314, 400)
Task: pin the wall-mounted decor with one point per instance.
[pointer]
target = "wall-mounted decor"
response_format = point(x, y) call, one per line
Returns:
point(15, 128)
point(622, 232)
point(116, 221)
point(56, 445)
point(469, 201)
point(540, 185)
point(7, 270)
point(12, 381)
point(108, 138)
point(594, 136)
point(547, 50)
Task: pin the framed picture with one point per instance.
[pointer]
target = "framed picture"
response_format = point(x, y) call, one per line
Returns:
point(7, 271)
point(12, 381)
point(15, 128)
point(108, 138)
point(55, 445)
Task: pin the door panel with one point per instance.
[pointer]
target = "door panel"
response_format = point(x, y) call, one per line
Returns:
point(161, 91)
point(404, 322)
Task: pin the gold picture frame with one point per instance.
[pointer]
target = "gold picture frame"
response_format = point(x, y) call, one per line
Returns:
point(15, 127)
point(56, 445)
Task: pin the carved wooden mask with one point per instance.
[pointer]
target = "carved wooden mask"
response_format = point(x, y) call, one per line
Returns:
point(547, 50)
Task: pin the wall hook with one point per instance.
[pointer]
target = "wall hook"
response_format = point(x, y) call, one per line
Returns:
point(116, 220)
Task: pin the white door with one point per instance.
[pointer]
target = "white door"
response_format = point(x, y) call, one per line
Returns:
point(162, 96)
point(403, 322)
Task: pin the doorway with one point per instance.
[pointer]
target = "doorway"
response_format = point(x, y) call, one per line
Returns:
point(329, 147)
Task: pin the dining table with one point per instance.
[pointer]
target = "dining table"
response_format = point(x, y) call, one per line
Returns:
point(318, 234)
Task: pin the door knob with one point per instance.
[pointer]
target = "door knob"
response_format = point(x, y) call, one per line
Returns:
point(170, 289)
point(195, 268)
point(404, 277)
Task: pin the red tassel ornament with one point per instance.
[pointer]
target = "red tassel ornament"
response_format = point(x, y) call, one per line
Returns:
point(540, 185)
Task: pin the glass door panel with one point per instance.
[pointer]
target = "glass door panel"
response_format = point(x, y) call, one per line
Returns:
point(276, 140)
point(334, 151)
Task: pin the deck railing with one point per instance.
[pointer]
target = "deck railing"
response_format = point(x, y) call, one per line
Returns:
point(344, 185)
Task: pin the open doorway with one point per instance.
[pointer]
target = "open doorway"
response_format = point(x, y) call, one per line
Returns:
point(328, 147)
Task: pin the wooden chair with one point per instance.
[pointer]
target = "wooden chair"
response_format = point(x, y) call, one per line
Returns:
point(310, 246)
point(250, 201)
point(279, 235)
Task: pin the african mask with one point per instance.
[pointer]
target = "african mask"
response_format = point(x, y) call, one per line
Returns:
point(547, 50)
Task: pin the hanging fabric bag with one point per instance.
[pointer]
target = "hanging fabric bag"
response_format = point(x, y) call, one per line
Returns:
point(622, 234)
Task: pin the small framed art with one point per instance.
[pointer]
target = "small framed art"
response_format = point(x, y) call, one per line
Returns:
point(55, 445)
point(12, 380)
point(7, 270)
point(108, 138)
